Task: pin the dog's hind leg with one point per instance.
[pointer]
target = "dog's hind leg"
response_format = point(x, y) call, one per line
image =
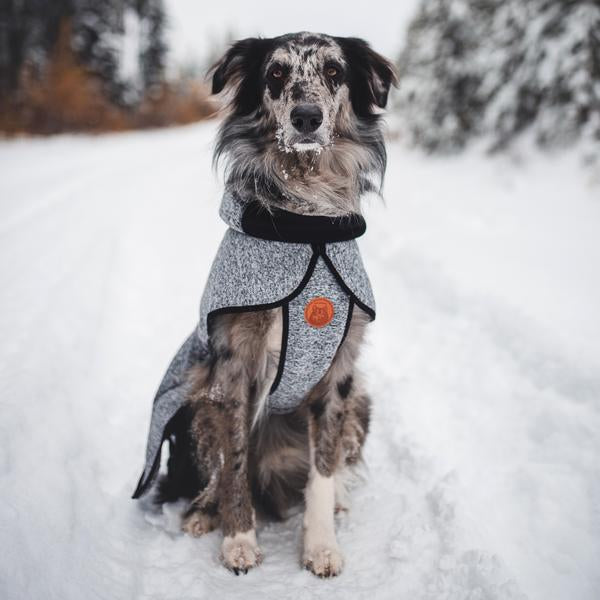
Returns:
point(198, 521)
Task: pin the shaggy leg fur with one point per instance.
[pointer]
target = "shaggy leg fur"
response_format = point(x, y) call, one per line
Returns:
point(224, 395)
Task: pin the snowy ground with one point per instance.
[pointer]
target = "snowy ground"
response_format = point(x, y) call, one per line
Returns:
point(484, 364)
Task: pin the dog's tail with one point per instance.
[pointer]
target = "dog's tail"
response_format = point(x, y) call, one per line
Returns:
point(182, 479)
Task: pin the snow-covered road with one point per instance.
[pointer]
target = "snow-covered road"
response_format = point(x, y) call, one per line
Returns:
point(483, 474)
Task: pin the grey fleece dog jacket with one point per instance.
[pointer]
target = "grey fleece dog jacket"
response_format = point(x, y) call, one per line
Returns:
point(309, 266)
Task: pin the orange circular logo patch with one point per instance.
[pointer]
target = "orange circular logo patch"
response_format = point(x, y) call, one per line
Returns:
point(319, 312)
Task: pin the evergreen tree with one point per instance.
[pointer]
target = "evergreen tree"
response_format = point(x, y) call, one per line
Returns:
point(555, 85)
point(29, 30)
point(14, 22)
point(495, 67)
point(153, 47)
point(96, 30)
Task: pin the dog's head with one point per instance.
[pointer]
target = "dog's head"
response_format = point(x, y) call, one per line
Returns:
point(298, 103)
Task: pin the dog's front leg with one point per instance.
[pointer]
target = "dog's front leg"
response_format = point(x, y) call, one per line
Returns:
point(337, 424)
point(239, 550)
point(241, 343)
point(321, 553)
point(225, 391)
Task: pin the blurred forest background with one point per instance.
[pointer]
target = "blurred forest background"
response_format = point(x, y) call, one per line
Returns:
point(468, 68)
point(84, 65)
point(497, 67)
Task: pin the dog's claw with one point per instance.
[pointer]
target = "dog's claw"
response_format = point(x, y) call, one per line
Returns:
point(240, 553)
point(323, 561)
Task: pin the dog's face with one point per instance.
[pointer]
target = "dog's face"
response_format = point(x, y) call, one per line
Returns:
point(304, 85)
point(305, 90)
point(303, 130)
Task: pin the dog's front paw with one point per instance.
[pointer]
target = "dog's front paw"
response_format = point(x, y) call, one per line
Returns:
point(198, 523)
point(323, 561)
point(240, 552)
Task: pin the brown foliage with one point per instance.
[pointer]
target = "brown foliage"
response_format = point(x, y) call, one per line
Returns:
point(176, 103)
point(65, 96)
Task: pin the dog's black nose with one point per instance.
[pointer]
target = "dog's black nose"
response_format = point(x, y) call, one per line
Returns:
point(306, 118)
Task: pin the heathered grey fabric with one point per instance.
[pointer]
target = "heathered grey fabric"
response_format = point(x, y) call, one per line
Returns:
point(310, 350)
point(347, 261)
point(170, 397)
point(251, 272)
point(248, 271)
point(232, 209)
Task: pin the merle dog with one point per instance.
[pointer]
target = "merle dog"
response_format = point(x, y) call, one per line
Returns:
point(303, 135)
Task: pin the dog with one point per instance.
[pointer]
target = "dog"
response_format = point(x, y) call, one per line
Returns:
point(263, 407)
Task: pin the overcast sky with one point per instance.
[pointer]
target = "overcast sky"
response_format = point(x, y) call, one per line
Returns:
point(196, 26)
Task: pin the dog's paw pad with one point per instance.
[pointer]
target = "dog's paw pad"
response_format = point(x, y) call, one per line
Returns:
point(198, 523)
point(323, 561)
point(241, 553)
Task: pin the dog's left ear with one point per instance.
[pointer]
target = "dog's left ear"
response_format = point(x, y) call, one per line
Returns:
point(370, 75)
point(240, 69)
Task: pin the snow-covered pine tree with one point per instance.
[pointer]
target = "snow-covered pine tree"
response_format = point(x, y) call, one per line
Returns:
point(29, 30)
point(153, 47)
point(98, 28)
point(15, 25)
point(439, 95)
point(555, 84)
point(496, 67)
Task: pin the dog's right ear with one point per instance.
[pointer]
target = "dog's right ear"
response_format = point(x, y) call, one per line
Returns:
point(241, 69)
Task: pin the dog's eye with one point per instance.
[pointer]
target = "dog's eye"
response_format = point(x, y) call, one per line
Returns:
point(331, 71)
point(277, 73)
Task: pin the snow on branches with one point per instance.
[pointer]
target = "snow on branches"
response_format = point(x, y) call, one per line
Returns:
point(498, 67)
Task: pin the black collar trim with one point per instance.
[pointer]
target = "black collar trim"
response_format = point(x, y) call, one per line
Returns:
point(279, 225)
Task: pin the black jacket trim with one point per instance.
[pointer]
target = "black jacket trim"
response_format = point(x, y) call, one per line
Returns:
point(322, 251)
point(144, 482)
point(284, 343)
point(278, 225)
point(255, 307)
point(348, 321)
